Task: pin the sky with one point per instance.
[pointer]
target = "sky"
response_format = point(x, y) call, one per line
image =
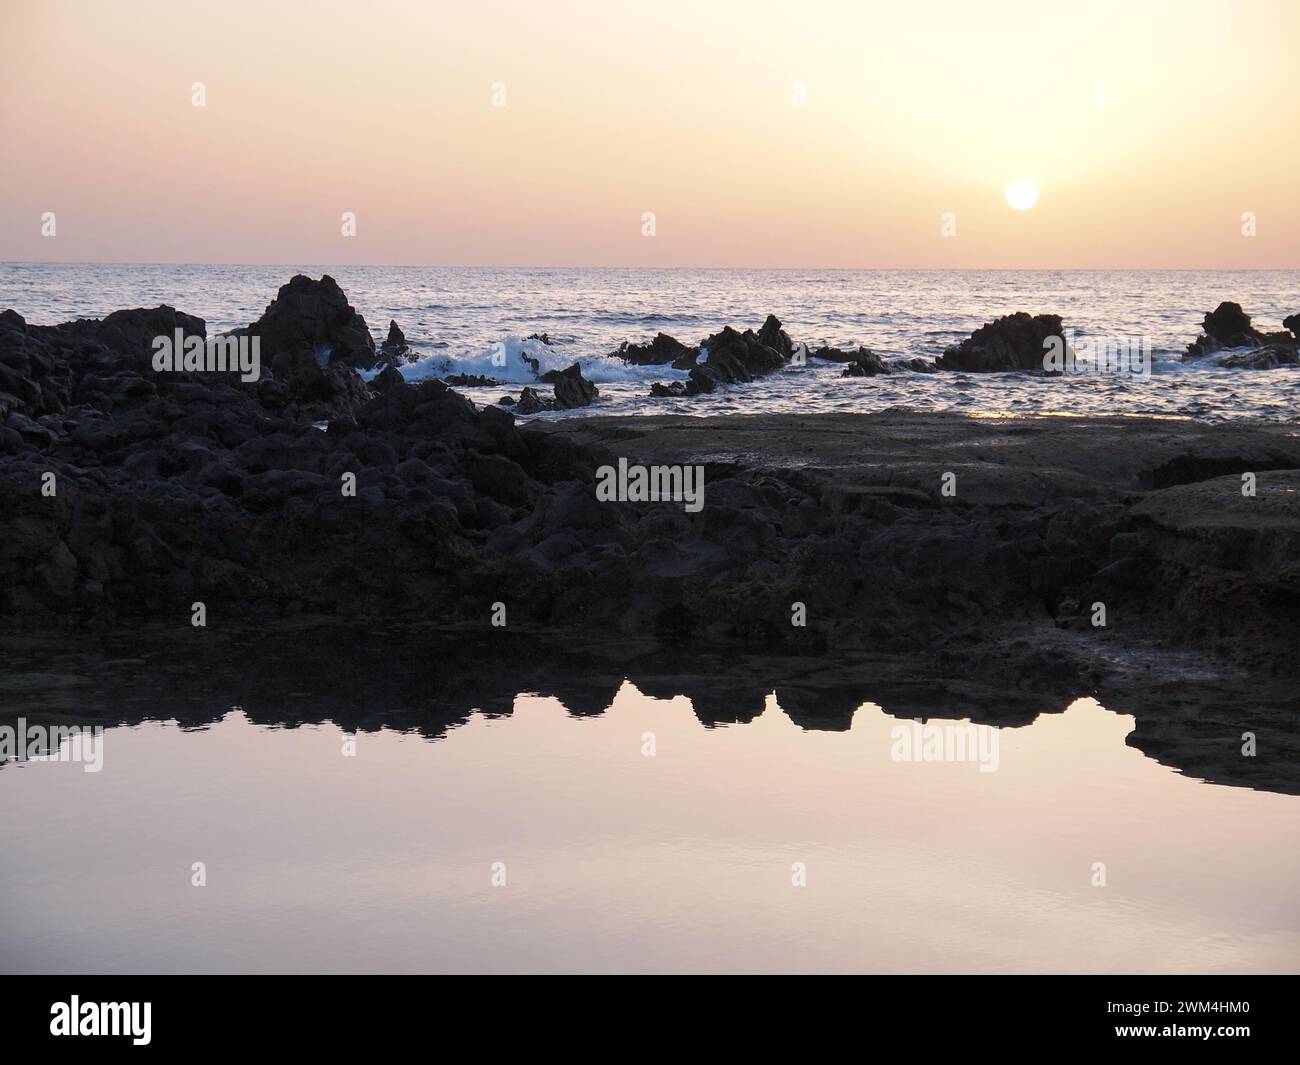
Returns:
point(742, 133)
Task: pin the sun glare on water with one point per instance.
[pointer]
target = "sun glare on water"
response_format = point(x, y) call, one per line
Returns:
point(1022, 194)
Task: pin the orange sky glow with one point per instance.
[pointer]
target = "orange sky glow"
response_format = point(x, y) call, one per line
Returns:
point(758, 133)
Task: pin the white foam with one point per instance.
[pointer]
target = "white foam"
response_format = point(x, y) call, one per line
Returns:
point(506, 361)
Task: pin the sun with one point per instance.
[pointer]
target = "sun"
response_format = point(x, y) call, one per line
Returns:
point(1022, 194)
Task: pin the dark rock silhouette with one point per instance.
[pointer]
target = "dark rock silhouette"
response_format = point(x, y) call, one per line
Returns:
point(1014, 342)
point(1228, 327)
point(727, 357)
point(388, 377)
point(771, 335)
point(571, 389)
point(312, 342)
point(395, 349)
point(731, 357)
point(530, 402)
point(659, 352)
point(313, 320)
point(866, 363)
point(737, 357)
point(659, 390)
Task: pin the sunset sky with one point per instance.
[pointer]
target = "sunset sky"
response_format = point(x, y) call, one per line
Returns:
point(796, 133)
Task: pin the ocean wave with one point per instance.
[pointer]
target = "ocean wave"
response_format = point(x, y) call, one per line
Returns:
point(523, 361)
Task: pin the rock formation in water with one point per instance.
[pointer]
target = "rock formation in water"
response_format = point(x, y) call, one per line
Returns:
point(1228, 327)
point(571, 389)
point(663, 350)
point(395, 349)
point(728, 357)
point(1014, 342)
point(866, 363)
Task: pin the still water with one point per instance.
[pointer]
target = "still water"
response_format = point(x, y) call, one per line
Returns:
point(639, 840)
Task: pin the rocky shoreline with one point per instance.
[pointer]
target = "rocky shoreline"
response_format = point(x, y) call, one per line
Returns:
point(981, 545)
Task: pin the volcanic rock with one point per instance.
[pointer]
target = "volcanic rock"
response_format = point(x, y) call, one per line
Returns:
point(659, 352)
point(773, 336)
point(395, 348)
point(312, 321)
point(1227, 326)
point(571, 388)
point(866, 363)
point(1014, 342)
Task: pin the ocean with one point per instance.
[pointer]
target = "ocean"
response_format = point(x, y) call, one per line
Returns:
point(454, 316)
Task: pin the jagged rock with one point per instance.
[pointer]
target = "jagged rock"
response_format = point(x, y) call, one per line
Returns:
point(571, 388)
point(773, 336)
point(530, 402)
point(389, 377)
point(133, 332)
point(673, 388)
point(1228, 327)
point(727, 357)
point(1014, 342)
point(395, 349)
point(48, 368)
point(731, 357)
point(311, 322)
point(659, 352)
point(865, 364)
point(312, 341)
point(541, 338)
point(738, 357)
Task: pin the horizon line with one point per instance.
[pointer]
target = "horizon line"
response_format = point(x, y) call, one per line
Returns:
point(737, 269)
